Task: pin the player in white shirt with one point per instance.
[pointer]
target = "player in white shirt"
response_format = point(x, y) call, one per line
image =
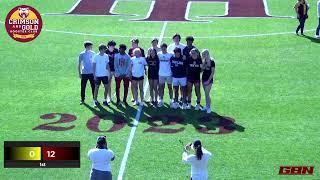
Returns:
point(176, 44)
point(100, 72)
point(165, 74)
point(318, 13)
point(101, 157)
point(198, 160)
point(138, 64)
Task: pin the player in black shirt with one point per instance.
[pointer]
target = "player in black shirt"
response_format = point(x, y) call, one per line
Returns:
point(153, 75)
point(179, 75)
point(207, 77)
point(194, 64)
point(187, 49)
point(111, 51)
point(135, 44)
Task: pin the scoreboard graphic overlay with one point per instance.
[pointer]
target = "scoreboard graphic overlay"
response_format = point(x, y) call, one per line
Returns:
point(42, 154)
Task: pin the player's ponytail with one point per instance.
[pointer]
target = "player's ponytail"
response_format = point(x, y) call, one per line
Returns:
point(198, 149)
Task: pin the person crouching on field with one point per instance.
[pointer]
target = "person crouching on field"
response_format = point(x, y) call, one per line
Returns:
point(179, 77)
point(101, 157)
point(85, 69)
point(208, 67)
point(194, 66)
point(100, 71)
point(153, 76)
point(138, 64)
point(198, 160)
point(122, 63)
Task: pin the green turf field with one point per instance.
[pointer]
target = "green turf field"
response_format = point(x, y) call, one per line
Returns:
point(267, 80)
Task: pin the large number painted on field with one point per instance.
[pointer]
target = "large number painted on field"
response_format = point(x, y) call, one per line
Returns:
point(172, 10)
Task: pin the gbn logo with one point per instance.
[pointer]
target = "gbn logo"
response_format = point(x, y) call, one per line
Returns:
point(296, 170)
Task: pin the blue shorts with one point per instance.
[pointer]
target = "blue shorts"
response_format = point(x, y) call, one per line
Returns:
point(100, 175)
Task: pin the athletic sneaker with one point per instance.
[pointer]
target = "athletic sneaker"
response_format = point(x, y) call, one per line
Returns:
point(141, 103)
point(184, 106)
point(188, 106)
point(197, 107)
point(175, 105)
point(148, 100)
point(208, 110)
point(132, 100)
point(119, 103)
point(125, 103)
point(105, 103)
point(317, 37)
point(109, 100)
point(81, 102)
point(95, 104)
point(135, 103)
point(160, 104)
point(205, 108)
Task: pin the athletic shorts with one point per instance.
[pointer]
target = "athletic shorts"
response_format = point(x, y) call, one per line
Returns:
point(165, 79)
point(103, 79)
point(179, 81)
point(96, 174)
point(137, 78)
point(193, 81)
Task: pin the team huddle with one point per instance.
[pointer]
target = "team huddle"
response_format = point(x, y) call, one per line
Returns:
point(178, 65)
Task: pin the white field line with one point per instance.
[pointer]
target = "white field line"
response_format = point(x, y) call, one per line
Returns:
point(136, 121)
point(74, 6)
point(198, 37)
point(186, 16)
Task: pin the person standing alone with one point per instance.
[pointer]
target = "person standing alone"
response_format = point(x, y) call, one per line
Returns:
point(301, 9)
point(85, 69)
point(101, 156)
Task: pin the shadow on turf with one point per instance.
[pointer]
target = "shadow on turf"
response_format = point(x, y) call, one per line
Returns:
point(312, 39)
point(201, 121)
point(160, 118)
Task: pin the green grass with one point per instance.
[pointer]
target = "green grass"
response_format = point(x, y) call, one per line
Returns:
point(268, 84)
point(207, 9)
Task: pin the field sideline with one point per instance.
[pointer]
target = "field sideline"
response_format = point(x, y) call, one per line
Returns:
point(267, 81)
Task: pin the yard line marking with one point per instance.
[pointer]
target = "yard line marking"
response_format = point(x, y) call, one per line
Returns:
point(136, 121)
point(199, 37)
point(73, 7)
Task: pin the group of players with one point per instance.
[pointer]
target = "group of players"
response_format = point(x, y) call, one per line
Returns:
point(176, 65)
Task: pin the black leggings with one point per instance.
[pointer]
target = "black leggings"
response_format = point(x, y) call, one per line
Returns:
point(302, 20)
point(84, 80)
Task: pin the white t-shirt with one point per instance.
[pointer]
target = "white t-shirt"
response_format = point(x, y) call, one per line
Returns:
point(101, 64)
point(199, 168)
point(164, 65)
point(172, 46)
point(101, 159)
point(138, 66)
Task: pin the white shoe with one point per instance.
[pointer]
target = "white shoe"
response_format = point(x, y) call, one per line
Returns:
point(160, 104)
point(317, 37)
point(142, 103)
point(175, 105)
point(197, 107)
point(205, 108)
point(184, 106)
point(148, 100)
point(135, 103)
point(208, 110)
point(188, 106)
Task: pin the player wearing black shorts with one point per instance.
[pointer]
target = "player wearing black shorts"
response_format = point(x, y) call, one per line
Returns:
point(153, 75)
point(101, 70)
point(207, 77)
point(111, 52)
point(194, 65)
